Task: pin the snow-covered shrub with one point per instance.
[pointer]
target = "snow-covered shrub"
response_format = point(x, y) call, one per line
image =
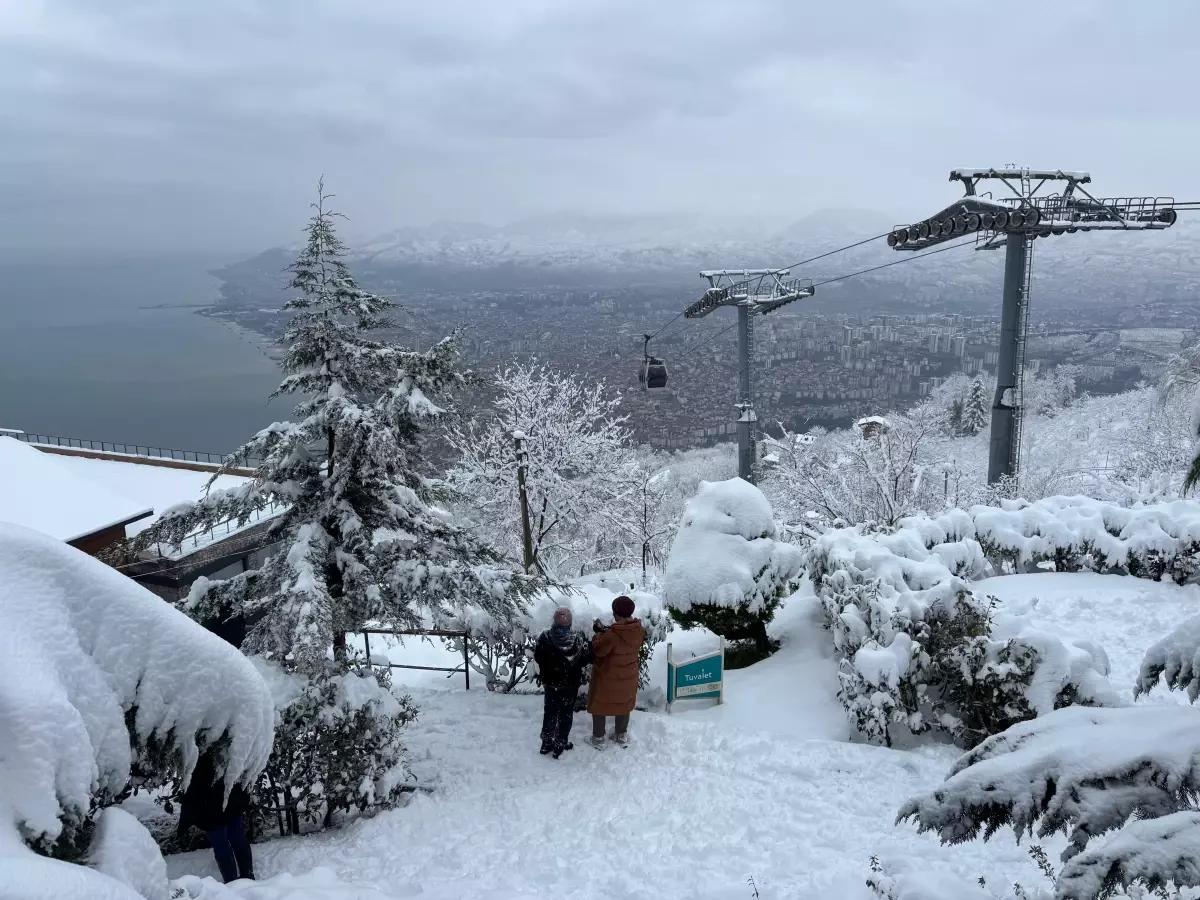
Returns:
point(94, 670)
point(727, 570)
point(123, 849)
point(337, 743)
point(917, 646)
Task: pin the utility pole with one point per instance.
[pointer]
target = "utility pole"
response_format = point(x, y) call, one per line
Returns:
point(526, 528)
point(1014, 222)
point(755, 293)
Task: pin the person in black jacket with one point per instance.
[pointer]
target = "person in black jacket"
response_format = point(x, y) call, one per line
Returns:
point(561, 655)
point(204, 806)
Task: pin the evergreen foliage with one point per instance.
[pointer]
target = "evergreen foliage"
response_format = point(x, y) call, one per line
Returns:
point(360, 533)
point(976, 409)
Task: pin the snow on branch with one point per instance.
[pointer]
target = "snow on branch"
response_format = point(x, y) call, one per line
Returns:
point(1177, 658)
point(1080, 771)
point(1158, 853)
point(83, 649)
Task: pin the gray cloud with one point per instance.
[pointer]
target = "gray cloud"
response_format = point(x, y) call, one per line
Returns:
point(152, 123)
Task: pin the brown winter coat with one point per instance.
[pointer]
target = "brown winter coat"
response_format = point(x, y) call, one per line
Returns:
point(614, 684)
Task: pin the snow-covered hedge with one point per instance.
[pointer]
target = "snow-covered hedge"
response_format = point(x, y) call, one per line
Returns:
point(727, 569)
point(502, 651)
point(1154, 540)
point(918, 647)
point(83, 652)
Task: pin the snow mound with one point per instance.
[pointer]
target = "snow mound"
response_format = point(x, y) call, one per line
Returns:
point(80, 647)
point(123, 849)
point(726, 552)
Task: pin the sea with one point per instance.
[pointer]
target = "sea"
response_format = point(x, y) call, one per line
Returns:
point(113, 349)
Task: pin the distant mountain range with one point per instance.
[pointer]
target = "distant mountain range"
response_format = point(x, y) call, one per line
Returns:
point(613, 250)
point(632, 243)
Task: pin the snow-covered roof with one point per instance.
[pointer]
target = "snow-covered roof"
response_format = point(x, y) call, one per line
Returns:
point(39, 492)
point(158, 487)
point(879, 421)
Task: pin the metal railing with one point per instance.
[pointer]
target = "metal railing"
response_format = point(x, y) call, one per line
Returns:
point(465, 668)
point(202, 537)
point(141, 450)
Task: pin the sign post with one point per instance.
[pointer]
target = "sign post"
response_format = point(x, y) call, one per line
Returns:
point(699, 678)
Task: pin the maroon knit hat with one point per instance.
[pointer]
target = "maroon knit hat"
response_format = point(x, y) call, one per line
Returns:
point(623, 608)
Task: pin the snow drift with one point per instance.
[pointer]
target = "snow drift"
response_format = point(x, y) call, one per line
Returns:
point(81, 649)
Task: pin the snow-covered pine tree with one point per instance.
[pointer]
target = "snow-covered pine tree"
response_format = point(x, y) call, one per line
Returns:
point(976, 412)
point(361, 532)
point(581, 477)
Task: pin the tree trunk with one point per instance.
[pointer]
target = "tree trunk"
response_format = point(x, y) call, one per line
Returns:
point(340, 650)
point(758, 632)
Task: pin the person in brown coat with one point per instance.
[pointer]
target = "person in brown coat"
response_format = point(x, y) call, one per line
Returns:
point(614, 684)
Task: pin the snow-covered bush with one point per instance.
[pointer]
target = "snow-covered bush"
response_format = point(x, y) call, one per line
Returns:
point(337, 743)
point(1085, 773)
point(96, 673)
point(917, 647)
point(727, 570)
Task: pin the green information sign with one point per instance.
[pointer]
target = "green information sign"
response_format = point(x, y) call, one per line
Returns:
point(699, 678)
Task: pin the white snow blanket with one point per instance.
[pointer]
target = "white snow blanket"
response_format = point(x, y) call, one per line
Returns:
point(727, 552)
point(80, 646)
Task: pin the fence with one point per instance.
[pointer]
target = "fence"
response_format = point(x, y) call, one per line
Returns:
point(465, 668)
point(204, 536)
point(142, 450)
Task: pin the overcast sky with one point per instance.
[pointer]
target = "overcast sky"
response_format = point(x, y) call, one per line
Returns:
point(165, 124)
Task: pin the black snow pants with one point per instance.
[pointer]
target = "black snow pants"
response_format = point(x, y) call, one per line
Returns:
point(558, 716)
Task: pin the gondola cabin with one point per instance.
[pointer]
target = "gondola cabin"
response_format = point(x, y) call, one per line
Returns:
point(653, 374)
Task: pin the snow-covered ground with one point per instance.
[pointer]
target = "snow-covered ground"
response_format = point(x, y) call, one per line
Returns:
point(705, 798)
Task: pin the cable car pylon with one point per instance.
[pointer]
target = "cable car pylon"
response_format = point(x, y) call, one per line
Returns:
point(1014, 222)
point(754, 292)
